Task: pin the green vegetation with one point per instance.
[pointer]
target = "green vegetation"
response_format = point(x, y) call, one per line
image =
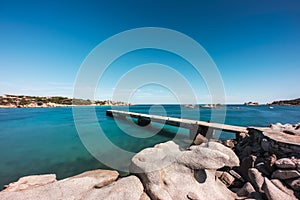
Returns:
point(81, 102)
point(33, 101)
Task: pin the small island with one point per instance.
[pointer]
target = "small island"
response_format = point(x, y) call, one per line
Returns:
point(22, 101)
point(250, 103)
point(211, 106)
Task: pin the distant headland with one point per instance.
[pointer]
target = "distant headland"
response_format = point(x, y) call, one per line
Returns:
point(293, 102)
point(22, 101)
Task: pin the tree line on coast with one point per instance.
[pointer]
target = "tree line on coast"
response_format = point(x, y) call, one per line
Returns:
point(23, 101)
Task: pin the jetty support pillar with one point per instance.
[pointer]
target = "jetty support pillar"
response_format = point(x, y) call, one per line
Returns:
point(143, 121)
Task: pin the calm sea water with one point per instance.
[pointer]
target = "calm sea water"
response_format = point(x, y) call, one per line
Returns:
point(45, 140)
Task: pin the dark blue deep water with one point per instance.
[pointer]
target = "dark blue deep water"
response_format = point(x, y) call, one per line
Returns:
point(45, 140)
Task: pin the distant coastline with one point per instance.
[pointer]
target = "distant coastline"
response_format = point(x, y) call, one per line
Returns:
point(22, 101)
point(25, 101)
point(293, 102)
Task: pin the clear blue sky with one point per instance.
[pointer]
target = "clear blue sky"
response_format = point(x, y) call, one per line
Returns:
point(255, 44)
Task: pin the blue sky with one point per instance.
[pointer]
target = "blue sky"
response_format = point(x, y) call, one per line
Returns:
point(255, 45)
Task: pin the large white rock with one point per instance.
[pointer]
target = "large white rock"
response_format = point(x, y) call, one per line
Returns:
point(169, 173)
point(29, 182)
point(72, 188)
point(125, 188)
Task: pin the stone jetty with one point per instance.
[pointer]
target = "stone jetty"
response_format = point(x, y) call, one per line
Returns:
point(262, 163)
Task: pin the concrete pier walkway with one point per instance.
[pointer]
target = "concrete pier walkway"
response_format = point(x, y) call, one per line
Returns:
point(204, 128)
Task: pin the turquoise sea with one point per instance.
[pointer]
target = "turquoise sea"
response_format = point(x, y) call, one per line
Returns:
point(45, 140)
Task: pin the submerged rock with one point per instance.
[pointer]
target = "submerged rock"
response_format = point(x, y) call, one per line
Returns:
point(176, 174)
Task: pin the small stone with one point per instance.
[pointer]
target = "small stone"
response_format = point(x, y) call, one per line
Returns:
point(256, 179)
point(229, 143)
point(269, 164)
point(226, 178)
point(236, 175)
point(288, 126)
point(245, 190)
point(294, 183)
point(276, 127)
point(285, 163)
point(285, 174)
point(200, 139)
point(242, 135)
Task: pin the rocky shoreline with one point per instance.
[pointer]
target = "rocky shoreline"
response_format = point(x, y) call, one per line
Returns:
point(257, 165)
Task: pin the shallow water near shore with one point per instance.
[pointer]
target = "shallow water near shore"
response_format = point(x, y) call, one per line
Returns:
point(45, 140)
